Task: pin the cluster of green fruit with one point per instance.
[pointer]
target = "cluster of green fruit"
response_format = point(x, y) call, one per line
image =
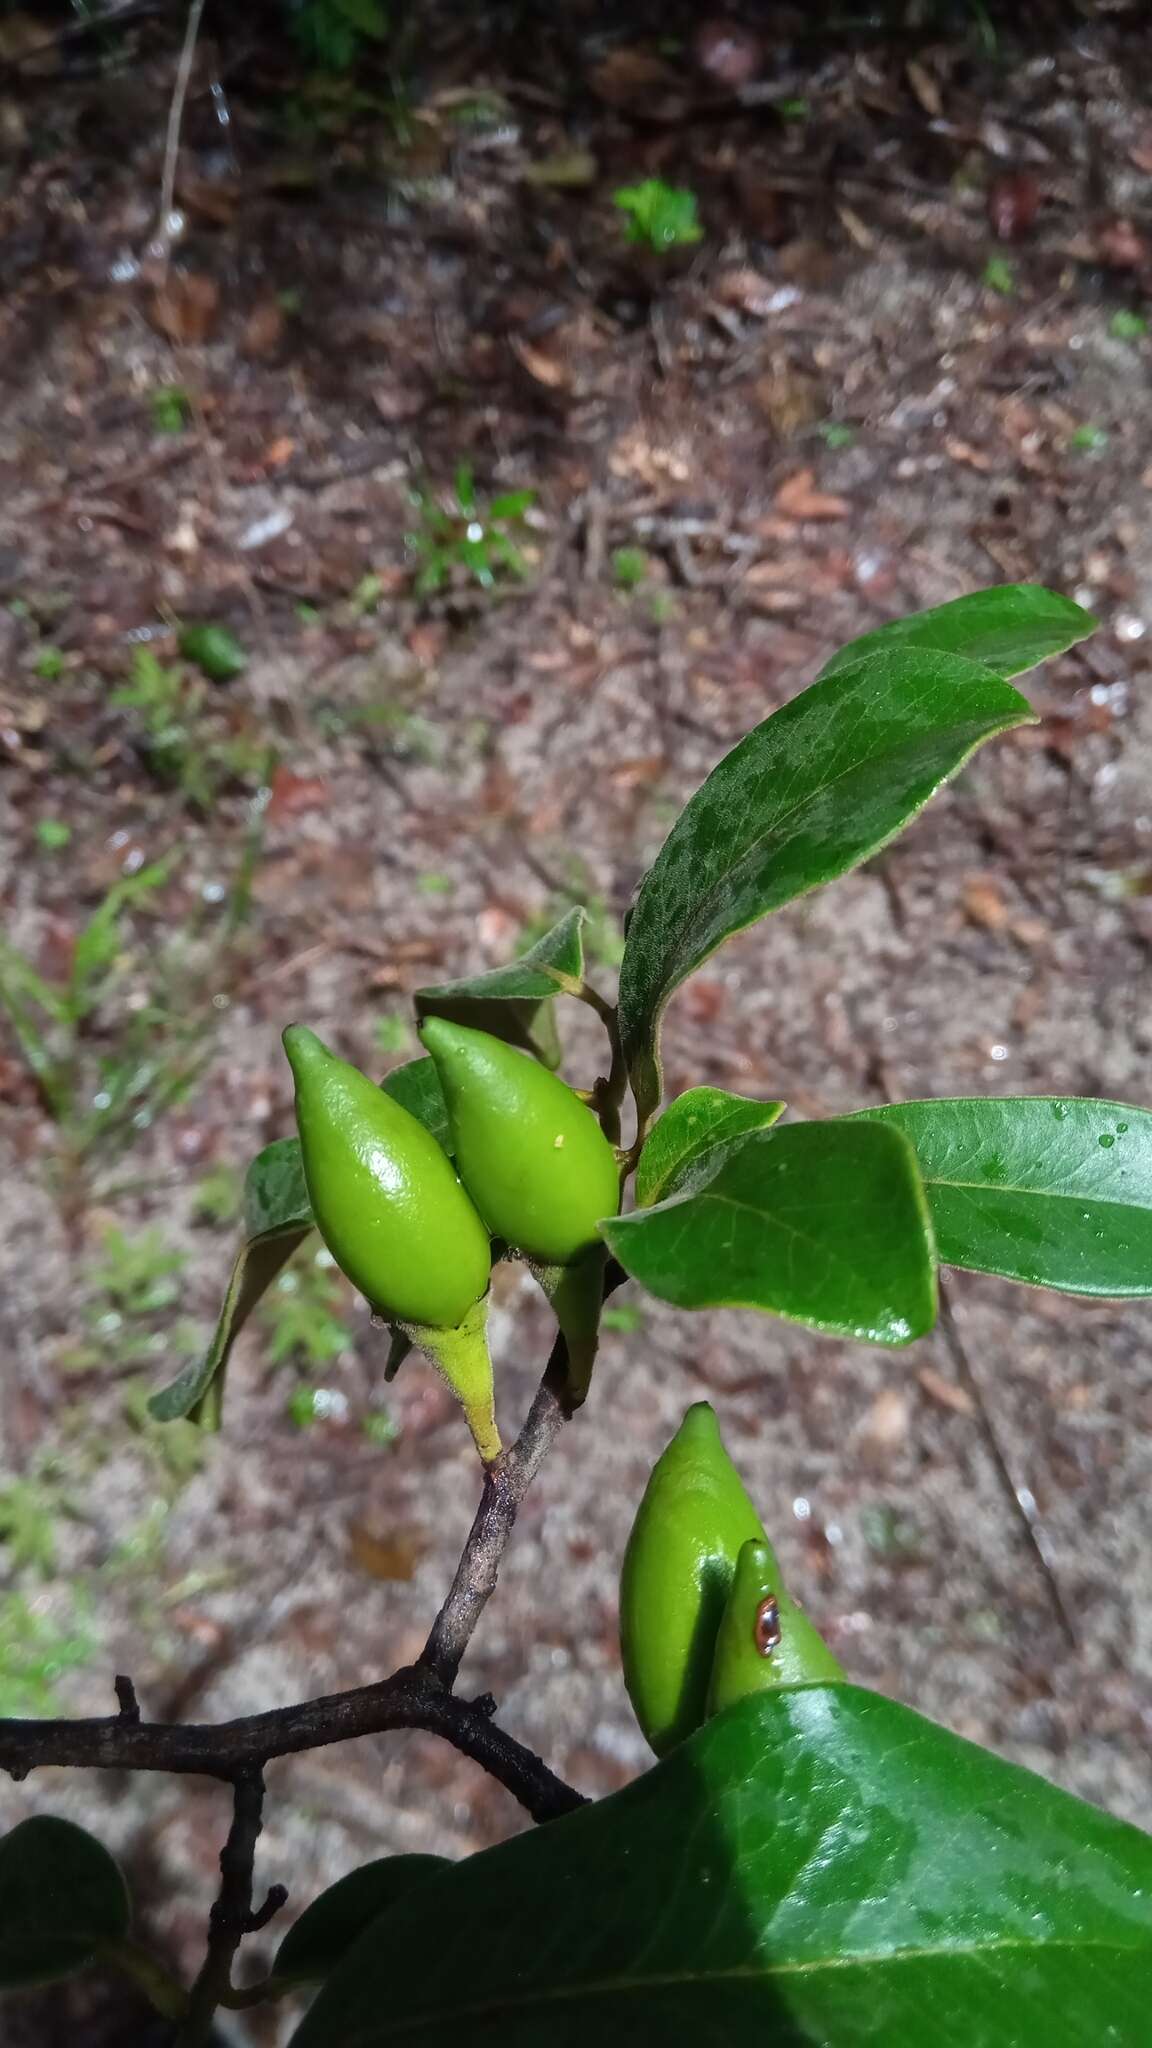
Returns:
point(412, 1228)
point(704, 1618)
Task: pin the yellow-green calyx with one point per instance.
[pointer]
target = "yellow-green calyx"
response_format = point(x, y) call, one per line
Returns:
point(678, 1570)
point(531, 1154)
point(386, 1200)
point(764, 1640)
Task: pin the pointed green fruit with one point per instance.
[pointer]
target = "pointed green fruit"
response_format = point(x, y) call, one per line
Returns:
point(386, 1200)
point(764, 1639)
point(678, 1569)
point(530, 1153)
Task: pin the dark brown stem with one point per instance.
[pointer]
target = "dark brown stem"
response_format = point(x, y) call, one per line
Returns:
point(506, 1482)
point(410, 1698)
point(231, 1916)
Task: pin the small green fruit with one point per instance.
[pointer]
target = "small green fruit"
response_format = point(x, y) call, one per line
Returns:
point(531, 1154)
point(678, 1570)
point(386, 1200)
point(765, 1640)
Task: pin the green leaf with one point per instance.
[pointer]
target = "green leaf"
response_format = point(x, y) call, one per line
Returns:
point(416, 1087)
point(507, 1001)
point(822, 784)
point(1008, 629)
point(328, 1927)
point(1052, 1190)
point(275, 1191)
point(62, 1898)
point(690, 1129)
point(804, 1222)
point(553, 966)
point(817, 1868)
point(254, 1269)
point(214, 650)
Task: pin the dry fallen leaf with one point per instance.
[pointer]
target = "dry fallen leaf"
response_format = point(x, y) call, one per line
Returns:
point(263, 330)
point(799, 498)
point(983, 904)
point(185, 307)
point(946, 1392)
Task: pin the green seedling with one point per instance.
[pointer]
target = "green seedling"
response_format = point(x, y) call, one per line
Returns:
point(659, 216)
point(467, 535)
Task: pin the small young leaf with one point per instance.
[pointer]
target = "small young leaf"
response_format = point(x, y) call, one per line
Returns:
point(1055, 1191)
point(214, 650)
point(61, 1899)
point(803, 1222)
point(818, 1867)
point(1007, 629)
point(690, 1129)
point(507, 1000)
point(818, 787)
point(328, 1927)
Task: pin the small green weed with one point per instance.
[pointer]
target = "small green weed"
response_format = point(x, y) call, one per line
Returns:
point(216, 1198)
point(171, 408)
point(1088, 440)
point(50, 663)
point(53, 834)
point(836, 434)
point(630, 567)
point(300, 1315)
point(659, 216)
point(36, 1650)
point(1000, 276)
point(467, 535)
point(183, 732)
point(1125, 325)
point(28, 1511)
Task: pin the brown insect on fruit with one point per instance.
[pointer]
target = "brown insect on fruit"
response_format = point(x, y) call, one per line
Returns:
point(767, 1628)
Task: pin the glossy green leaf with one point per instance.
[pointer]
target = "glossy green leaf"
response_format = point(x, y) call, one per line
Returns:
point(1052, 1190)
point(214, 650)
point(510, 1001)
point(328, 1927)
point(62, 1898)
point(691, 1128)
point(803, 1221)
point(822, 784)
point(817, 1868)
point(1008, 629)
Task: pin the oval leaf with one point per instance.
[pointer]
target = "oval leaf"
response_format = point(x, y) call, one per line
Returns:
point(1052, 1190)
point(821, 785)
point(328, 1927)
point(62, 1898)
point(1008, 629)
point(690, 1128)
point(817, 1868)
point(804, 1222)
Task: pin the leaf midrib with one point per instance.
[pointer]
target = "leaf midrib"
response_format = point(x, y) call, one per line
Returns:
point(768, 1973)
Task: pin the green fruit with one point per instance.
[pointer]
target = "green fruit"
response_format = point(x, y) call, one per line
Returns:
point(764, 1639)
point(530, 1153)
point(678, 1569)
point(386, 1200)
